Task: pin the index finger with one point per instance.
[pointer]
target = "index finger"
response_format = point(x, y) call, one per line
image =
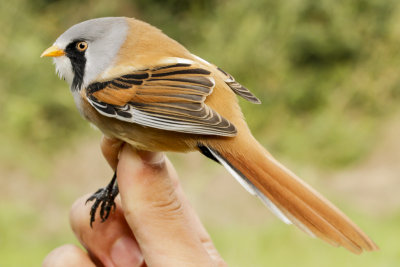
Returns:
point(160, 221)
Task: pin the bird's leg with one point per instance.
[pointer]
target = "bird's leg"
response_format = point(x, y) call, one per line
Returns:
point(104, 198)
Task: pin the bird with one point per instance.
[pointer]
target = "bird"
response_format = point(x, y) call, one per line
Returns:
point(141, 87)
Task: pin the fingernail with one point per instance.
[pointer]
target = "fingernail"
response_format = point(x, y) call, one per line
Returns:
point(152, 158)
point(125, 252)
point(116, 144)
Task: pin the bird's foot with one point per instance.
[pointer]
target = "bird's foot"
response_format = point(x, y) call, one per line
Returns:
point(104, 198)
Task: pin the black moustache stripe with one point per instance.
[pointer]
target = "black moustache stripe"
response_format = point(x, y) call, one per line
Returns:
point(78, 62)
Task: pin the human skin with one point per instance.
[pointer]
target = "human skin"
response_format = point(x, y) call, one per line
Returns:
point(153, 224)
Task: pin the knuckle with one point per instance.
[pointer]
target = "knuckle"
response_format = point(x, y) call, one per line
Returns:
point(168, 205)
point(158, 168)
point(164, 206)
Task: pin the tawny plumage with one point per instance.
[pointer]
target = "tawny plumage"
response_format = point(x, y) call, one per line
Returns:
point(140, 86)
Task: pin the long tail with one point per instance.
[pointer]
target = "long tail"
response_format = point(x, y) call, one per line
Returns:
point(288, 197)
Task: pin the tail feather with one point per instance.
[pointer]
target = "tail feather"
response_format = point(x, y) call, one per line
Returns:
point(292, 200)
point(251, 188)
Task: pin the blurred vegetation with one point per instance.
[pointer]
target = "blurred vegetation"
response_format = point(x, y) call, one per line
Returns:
point(326, 71)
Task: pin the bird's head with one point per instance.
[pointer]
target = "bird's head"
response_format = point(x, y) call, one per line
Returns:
point(87, 49)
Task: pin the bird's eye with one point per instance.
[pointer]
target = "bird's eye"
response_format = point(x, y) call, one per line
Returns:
point(81, 46)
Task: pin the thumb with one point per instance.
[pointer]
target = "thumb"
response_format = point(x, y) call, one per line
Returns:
point(157, 216)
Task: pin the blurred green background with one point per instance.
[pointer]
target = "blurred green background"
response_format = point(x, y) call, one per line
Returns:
point(326, 71)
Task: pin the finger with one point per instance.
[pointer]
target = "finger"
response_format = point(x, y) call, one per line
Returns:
point(67, 256)
point(110, 148)
point(194, 219)
point(155, 213)
point(111, 242)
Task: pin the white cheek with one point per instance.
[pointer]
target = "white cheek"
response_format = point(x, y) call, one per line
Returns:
point(64, 68)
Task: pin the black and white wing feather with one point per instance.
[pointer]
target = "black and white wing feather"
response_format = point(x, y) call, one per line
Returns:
point(168, 97)
point(238, 88)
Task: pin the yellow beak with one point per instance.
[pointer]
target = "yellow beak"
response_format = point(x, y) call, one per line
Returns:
point(53, 51)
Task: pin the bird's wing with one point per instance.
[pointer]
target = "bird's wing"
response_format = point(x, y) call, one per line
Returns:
point(238, 88)
point(168, 97)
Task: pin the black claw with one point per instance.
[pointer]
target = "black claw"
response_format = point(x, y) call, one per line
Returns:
point(104, 197)
point(92, 197)
point(93, 211)
point(103, 204)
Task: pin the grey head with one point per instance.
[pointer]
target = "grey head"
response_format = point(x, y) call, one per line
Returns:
point(89, 48)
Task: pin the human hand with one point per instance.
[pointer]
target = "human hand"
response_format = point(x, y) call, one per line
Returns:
point(153, 225)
